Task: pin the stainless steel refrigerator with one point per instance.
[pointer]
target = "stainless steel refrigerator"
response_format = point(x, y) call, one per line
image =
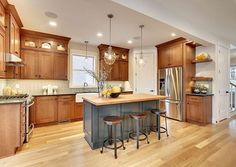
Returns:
point(170, 85)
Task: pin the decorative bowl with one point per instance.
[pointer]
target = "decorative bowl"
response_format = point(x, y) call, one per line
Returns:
point(114, 95)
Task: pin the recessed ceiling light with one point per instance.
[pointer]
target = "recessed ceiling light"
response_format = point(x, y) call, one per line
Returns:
point(130, 42)
point(53, 23)
point(51, 14)
point(99, 34)
point(173, 34)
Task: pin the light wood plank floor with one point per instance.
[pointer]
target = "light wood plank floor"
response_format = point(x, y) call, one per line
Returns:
point(188, 145)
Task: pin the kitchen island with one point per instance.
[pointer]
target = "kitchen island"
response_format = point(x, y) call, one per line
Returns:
point(96, 108)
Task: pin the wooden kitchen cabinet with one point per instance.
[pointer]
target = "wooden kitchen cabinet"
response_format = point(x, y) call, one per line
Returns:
point(115, 72)
point(77, 114)
point(2, 16)
point(65, 107)
point(14, 36)
point(170, 56)
point(38, 65)
point(199, 109)
point(12, 128)
point(118, 70)
point(52, 52)
point(13, 26)
point(2, 53)
point(30, 70)
point(52, 109)
point(124, 70)
point(45, 65)
point(46, 109)
point(60, 66)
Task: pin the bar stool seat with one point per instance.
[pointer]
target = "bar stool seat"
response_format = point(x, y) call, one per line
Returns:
point(138, 115)
point(158, 128)
point(112, 122)
point(154, 111)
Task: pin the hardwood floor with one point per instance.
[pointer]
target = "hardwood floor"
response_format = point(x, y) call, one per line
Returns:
point(188, 145)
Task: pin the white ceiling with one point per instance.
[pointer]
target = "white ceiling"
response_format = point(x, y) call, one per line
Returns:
point(214, 17)
point(82, 19)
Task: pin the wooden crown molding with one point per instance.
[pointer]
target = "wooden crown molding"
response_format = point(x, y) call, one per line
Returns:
point(11, 9)
point(46, 35)
point(105, 46)
point(177, 40)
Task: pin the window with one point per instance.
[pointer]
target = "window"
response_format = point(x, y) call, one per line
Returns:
point(78, 74)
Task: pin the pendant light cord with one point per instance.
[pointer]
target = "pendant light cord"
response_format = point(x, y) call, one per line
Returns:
point(110, 32)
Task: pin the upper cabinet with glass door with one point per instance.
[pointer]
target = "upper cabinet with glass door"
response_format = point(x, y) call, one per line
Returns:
point(44, 42)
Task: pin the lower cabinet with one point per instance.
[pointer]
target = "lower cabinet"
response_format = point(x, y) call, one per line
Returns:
point(199, 109)
point(12, 128)
point(77, 113)
point(56, 109)
point(65, 106)
point(46, 109)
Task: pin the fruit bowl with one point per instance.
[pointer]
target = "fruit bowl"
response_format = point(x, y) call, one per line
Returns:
point(114, 95)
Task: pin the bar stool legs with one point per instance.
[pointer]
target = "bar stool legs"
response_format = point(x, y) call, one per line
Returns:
point(112, 122)
point(136, 134)
point(159, 114)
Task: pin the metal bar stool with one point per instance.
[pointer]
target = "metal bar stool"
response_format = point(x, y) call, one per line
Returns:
point(159, 113)
point(138, 117)
point(112, 122)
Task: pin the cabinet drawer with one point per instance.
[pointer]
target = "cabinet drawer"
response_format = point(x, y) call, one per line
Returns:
point(66, 98)
point(194, 99)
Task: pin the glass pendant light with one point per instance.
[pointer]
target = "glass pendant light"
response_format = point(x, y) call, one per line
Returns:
point(110, 56)
point(141, 61)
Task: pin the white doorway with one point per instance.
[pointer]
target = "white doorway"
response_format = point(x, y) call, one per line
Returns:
point(223, 83)
point(145, 74)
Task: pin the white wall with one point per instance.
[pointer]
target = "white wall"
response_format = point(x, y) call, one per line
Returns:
point(132, 54)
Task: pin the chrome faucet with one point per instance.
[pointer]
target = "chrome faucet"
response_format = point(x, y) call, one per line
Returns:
point(85, 84)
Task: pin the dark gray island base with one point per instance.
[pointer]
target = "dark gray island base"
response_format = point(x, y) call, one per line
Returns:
point(95, 109)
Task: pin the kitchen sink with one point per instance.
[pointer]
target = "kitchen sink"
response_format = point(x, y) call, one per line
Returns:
point(79, 96)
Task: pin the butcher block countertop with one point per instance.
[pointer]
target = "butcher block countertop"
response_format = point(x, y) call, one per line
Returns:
point(101, 101)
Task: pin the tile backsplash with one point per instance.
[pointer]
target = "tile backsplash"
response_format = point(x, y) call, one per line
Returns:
point(3, 83)
point(34, 87)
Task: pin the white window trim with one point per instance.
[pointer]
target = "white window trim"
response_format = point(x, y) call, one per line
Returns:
point(82, 53)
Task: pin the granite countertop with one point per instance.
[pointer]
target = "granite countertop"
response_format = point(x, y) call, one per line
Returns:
point(200, 94)
point(12, 101)
point(99, 101)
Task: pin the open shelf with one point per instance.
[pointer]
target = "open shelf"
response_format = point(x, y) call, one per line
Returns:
point(202, 61)
point(202, 78)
